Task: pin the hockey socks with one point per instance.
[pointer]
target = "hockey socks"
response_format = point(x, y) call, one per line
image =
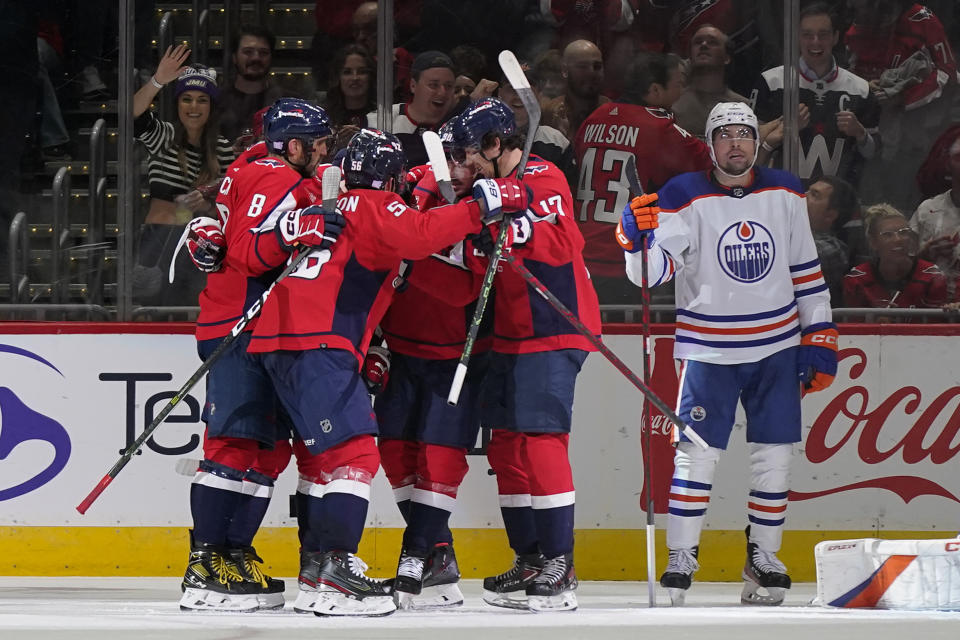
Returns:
point(504, 453)
point(551, 488)
point(215, 495)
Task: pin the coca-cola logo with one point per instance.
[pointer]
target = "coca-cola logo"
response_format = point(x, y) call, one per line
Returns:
point(850, 420)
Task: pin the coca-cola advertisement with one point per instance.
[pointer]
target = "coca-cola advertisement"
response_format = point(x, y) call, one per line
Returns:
point(878, 449)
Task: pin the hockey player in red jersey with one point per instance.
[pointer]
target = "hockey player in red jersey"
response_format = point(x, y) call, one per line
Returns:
point(527, 394)
point(311, 338)
point(246, 445)
point(424, 440)
point(639, 124)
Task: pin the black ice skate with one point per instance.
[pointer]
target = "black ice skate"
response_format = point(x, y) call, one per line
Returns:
point(679, 574)
point(765, 579)
point(554, 588)
point(212, 582)
point(308, 581)
point(345, 590)
point(440, 579)
point(409, 580)
point(269, 590)
point(509, 589)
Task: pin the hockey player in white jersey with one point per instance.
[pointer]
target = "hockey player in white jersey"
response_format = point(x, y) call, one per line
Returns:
point(753, 324)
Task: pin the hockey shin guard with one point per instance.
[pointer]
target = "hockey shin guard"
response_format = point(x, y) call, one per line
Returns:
point(440, 470)
point(551, 488)
point(689, 494)
point(504, 453)
point(769, 487)
point(257, 491)
point(217, 487)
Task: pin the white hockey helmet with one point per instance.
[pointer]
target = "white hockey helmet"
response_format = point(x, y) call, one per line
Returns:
point(727, 113)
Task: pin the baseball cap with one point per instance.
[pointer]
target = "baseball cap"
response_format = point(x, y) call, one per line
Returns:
point(430, 60)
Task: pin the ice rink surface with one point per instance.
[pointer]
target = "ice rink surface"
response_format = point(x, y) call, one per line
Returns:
point(146, 609)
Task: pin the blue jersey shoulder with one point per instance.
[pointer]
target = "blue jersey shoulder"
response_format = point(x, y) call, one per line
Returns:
point(680, 190)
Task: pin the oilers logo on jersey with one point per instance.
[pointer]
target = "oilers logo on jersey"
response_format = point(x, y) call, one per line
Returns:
point(746, 251)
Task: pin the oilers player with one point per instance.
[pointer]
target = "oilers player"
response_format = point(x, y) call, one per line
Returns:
point(753, 324)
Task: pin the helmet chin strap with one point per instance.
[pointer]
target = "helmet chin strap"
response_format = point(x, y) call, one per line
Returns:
point(494, 161)
point(301, 168)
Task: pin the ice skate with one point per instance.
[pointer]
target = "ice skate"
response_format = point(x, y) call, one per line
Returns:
point(308, 581)
point(440, 578)
point(269, 590)
point(554, 588)
point(509, 589)
point(439, 587)
point(212, 582)
point(765, 579)
point(409, 580)
point(345, 590)
point(679, 574)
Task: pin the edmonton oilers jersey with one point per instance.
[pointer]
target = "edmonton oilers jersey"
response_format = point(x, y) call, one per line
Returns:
point(747, 274)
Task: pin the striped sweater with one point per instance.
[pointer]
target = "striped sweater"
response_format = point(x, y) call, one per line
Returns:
point(746, 267)
point(167, 179)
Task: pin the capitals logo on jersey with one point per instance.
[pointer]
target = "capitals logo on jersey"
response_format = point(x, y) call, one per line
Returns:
point(746, 251)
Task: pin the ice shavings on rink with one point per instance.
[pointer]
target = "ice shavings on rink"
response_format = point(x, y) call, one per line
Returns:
point(146, 608)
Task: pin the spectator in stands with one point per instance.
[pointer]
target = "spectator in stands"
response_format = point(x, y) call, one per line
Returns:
point(548, 69)
point(251, 89)
point(706, 79)
point(583, 72)
point(937, 224)
point(548, 143)
point(901, 49)
point(353, 91)
point(662, 150)
point(470, 67)
point(432, 101)
point(831, 203)
point(183, 155)
point(840, 112)
point(895, 277)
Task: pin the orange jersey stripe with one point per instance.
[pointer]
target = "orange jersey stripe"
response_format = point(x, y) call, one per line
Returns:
point(762, 507)
point(810, 277)
point(682, 498)
point(738, 330)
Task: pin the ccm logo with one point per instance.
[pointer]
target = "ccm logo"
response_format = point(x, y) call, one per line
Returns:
point(952, 546)
point(823, 339)
point(838, 547)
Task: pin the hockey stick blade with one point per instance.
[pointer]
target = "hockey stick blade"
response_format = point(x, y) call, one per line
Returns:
point(330, 187)
point(438, 163)
point(518, 80)
point(632, 178)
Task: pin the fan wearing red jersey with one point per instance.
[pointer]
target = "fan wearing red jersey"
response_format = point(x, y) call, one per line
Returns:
point(423, 439)
point(311, 339)
point(639, 124)
point(527, 395)
point(246, 444)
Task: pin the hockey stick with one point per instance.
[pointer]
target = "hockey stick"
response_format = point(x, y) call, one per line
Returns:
point(646, 434)
point(438, 162)
point(330, 190)
point(557, 304)
point(518, 80)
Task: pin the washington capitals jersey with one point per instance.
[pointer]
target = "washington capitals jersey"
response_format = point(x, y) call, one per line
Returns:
point(924, 288)
point(338, 296)
point(231, 289)
point(873, 51)
point(745, 264)
point(523, 321)
point(443, 337)
point(610, 135)
point(823, 149)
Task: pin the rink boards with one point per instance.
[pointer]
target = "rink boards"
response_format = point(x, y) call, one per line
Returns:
point(879, 447)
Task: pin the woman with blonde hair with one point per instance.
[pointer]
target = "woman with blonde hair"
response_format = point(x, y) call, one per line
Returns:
point(895, 277)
